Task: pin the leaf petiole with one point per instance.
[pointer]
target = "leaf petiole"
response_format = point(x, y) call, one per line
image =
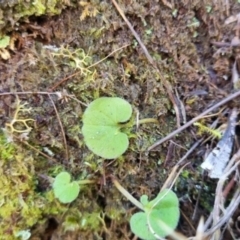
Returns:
point(127, 194)
point(86, 181)
point(147, 120)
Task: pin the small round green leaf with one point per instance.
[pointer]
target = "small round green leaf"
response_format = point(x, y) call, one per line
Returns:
point(101, 126)
point(139, 226)
point(65, 190)
point(166, 210)
point(160, 216)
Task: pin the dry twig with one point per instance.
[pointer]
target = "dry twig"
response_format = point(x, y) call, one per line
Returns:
point(221, 215)
point(55, 109)
point(189, 123)
point(166, 84)
point(61, 126)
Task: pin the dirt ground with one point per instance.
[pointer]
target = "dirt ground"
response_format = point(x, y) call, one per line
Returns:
point(58, 64)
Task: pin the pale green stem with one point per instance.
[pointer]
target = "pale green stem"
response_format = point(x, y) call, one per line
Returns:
point(127, 194)
point(148, 120)
point(82, 182)
point(141, 121)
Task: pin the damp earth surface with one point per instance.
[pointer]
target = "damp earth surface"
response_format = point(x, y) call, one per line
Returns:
point(57, 57)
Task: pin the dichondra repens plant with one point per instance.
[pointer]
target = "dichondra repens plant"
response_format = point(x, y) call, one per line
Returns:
point(103, 121)
point(66, 190)
point(157, 218)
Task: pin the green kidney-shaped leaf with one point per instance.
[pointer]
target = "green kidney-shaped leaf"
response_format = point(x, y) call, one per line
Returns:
point(101, 126)
point(160, 218)
point(139, 226)
point(165, 209)
point(65, 190)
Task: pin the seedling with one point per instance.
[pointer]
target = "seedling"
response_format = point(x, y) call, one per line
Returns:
point(158, 217)
point(4, 43)
point(102, 123)
point(66, 190)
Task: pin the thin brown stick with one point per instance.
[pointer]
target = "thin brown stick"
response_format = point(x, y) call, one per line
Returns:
point(227, 215)
point(44, 93)
point(229, 187)
point(188, 220)
point(150, 59)
point(61, 126)
point(221, 215)
point(116, 50)
point(188, 124)
point(173, 176)
point(39, 152)
point(27, 92)
point(168, 4)
point(166, 84)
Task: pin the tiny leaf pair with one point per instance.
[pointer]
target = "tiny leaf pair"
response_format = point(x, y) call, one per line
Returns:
point(4, 41)
point(160, 216)
point(102, 122)
point(65, 190)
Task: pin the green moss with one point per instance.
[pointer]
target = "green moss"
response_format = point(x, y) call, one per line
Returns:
point(52, 7)
point(91, 221)
point(6, 150)
point(17, 10)
point(37, 8)
point(80, 219)
point(21, 205)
